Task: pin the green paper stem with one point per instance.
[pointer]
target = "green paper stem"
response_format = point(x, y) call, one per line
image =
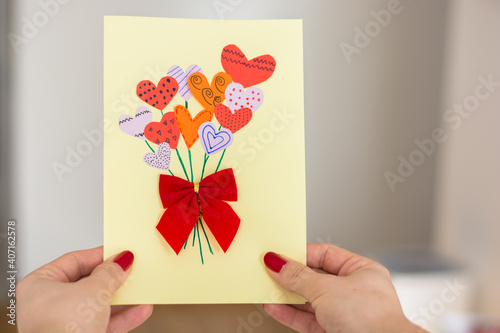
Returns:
point(218, 165)
point(206, 237)
point(182, 163)
point(150, 146)
point(191, 165)
point(185, 244)
point(186, 104)
point(205, 159)
point(199, 242)
point(171, 172)
point(194, 234)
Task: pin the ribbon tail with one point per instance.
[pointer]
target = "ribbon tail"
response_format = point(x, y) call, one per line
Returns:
point(221, 219)
point(178, 221)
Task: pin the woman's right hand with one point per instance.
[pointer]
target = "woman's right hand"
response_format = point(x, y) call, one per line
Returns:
point(345, 292)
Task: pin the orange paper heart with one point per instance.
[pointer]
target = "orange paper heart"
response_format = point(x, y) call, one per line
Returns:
point(189, 126)
point(209, 95)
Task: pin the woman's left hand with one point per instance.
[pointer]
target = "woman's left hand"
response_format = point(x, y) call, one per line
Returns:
point(73, 294)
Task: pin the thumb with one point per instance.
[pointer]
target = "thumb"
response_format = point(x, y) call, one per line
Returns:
point(294, 276)
point(112, 273)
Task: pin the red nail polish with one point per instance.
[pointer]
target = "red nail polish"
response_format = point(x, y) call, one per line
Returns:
point(274, 262)
point(124, 259)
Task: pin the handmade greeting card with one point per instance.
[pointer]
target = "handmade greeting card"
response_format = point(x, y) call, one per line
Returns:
point(204, 164)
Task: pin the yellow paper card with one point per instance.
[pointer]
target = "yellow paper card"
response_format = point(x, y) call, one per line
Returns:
point(262, 141)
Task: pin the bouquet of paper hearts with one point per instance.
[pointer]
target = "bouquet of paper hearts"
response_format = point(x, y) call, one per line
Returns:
point(233, 98)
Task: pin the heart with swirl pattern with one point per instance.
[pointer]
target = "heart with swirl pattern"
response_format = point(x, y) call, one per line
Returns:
point(209, 95)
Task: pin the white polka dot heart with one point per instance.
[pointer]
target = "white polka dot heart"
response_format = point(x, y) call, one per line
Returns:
point(237, 97)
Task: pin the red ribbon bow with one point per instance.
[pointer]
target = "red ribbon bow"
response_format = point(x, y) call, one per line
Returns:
point(185, 201)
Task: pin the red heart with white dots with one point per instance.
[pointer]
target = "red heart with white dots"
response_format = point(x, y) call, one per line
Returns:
point(166, 130)
point(160, 95)
point(237, 97)
point(232, 121)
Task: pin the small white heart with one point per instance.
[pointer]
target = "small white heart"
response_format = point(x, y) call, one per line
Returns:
point(237, 98)
point(214, 141)
point(160, 160)
point(182, 78)
point(135, 126)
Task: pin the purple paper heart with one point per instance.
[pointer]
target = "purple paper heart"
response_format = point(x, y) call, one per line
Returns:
point(160, 160)
point(214, 141)
point(135, 126)
point(182, 78)
point(237, 98)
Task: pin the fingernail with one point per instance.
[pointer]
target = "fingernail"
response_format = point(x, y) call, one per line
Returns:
point(274, 262)
point(124, 259)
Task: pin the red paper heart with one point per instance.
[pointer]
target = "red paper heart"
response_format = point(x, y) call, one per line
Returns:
point(246, 72)
point(164, 131)
point(160, 95)
point(232, 121)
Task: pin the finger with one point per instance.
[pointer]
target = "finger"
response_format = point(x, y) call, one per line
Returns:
point(71, 266)
point(295, 276)
point(119, 308)
point(304, 307)
point(295, 319)
point(334, 260)
point(110, 275)
point(129, 318)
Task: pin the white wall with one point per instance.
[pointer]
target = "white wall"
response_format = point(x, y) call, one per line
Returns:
point(468, 188)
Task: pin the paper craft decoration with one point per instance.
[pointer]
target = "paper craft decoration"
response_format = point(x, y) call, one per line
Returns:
point(185, 202)
point(160, 159)
point(217, 180)
point(232, 120)
point(244, 71)
point(182, 79)
point(189, 126)
point(209, 95)
point(214, 141)
point(166, 130)
point(237, 97)
point(159, 95)
point(135, 126)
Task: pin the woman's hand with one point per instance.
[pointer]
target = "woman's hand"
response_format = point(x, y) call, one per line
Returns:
point(73, 293)
point(344, 291)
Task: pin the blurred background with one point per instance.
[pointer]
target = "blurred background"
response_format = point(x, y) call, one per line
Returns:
point(402, 103)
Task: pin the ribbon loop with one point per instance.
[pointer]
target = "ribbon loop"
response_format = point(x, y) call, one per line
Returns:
point(220, 185)
point(184, 201)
